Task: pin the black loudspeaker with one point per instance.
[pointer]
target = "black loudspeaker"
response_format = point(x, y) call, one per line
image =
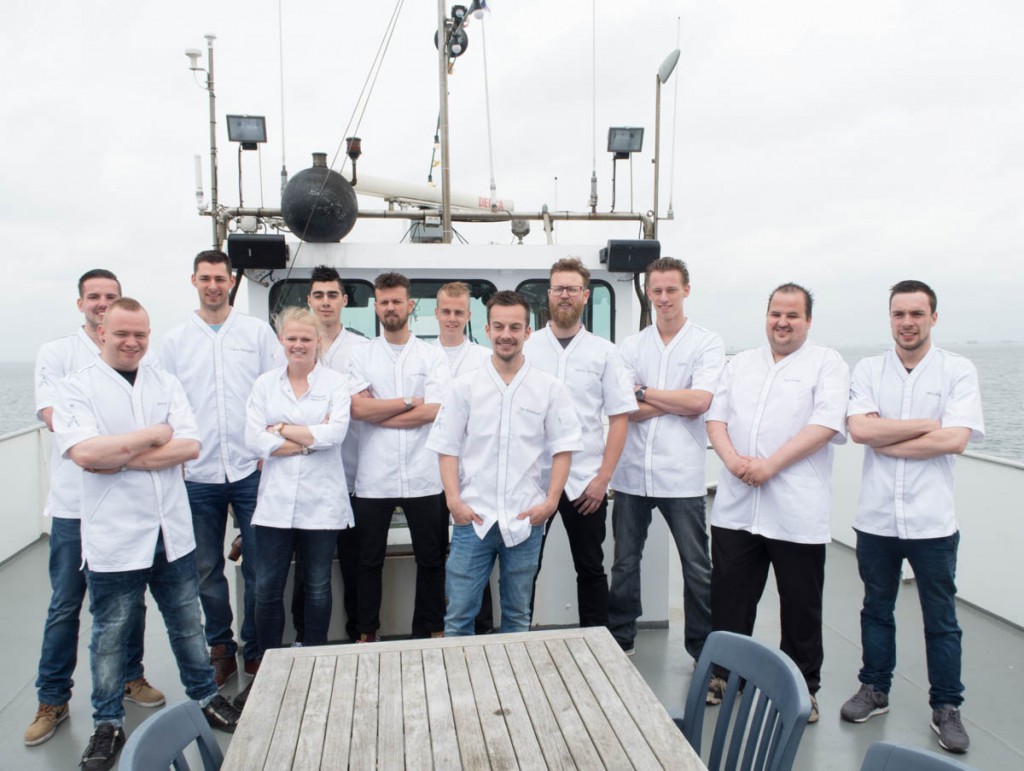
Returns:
point(246, 251)
point(630, 256)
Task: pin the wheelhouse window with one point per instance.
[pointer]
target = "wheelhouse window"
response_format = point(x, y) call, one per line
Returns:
point(357, 316)
point(598, 313)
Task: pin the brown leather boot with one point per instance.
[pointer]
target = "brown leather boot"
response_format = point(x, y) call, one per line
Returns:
point(224, 664)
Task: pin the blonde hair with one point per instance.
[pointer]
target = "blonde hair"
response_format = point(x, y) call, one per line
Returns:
point(295, 315)
point(454, 289)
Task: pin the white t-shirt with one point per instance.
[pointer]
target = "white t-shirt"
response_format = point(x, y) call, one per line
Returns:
point(217, 370)
point(55, 361)
point(306, 492)
point(666, 456)
point(336, 357)
point(913, 498)
point(123, 513)
point(394, 462)
point(765, 404)
point(598, 385)
point(503, 436)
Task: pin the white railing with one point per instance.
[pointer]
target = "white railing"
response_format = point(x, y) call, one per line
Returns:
point(25, 460)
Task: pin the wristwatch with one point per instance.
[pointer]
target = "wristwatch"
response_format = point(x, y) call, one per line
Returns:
point(640, 393)
point(408, 402)
point(306, 450)
point(278, 428)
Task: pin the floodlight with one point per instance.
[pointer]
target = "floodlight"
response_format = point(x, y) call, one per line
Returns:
point(623, 140)
point(250, 130)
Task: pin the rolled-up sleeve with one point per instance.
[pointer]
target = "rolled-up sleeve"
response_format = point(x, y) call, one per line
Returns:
point(449, 427)
point(561, 425)
point(257, 438)
point(333, 431)
point(74, 419)
point(832, 395)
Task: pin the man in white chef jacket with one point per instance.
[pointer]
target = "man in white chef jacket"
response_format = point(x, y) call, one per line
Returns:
point(326, 299)
point(130, 427)
point(97, 289)
point(777, 411)
point(217, 354)
point(399, 381)
point(592, 371)
point(674, 366)
point(914, 408)
point(497, 430)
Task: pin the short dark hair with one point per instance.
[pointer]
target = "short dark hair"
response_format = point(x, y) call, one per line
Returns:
point(506, 298)
point(324, 274)
point(790, 288)
point(665, 264)
point(571, 265)
point(97, 273)
point(391, 281)
point(212, 256)
point(909, 287)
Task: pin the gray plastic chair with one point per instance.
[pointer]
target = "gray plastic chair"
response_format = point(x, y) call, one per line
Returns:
point(764, 723)
point(160, 742)
point(885, 756)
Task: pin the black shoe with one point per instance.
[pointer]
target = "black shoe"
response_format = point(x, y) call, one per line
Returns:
point(104, 744)
point(243, 696)
point(221, 715)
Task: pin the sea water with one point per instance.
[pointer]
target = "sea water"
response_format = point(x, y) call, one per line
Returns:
point(1000, 370)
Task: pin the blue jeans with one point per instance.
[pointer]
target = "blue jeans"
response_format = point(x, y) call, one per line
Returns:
point(209, 503)
point(59, 654)
point(470, 562)
point(114, 601)
point(879, 559)
point(274, 547)
point(631, 519)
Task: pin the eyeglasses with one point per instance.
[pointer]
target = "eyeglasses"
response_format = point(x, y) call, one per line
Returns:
point(572, 291)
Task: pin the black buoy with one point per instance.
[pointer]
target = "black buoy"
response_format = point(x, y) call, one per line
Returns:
point(318, 204)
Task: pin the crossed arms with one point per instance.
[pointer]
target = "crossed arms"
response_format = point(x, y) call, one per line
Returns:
point(913, 438)
point(148, 449)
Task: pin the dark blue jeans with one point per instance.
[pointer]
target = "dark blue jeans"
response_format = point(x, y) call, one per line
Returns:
point(59, 654)
point(209, 503)
point(114, 600)
point(275, 546)
point(879, 559)
point(631, 519)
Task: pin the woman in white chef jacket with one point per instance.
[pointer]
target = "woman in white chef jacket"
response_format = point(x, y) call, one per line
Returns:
point(296, 420)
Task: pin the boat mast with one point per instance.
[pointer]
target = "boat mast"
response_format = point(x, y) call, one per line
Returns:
point(213, 141)
point(442, 60)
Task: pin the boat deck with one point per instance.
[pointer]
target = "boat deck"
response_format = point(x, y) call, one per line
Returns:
point(993, 672)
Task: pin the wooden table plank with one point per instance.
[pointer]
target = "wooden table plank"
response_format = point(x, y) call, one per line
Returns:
point(664, 738)
point(414, 712)
point(545, 725)
point(629, 734)
point(314, 717)
point(470, 735)
point(517, 717)
point(286, 733)
point(577, 738)
point(251, 741)
point(492, 719)
point(338, 739)
point(443, 740)
point(363, 753)
point(390, 738)
point(590, 712)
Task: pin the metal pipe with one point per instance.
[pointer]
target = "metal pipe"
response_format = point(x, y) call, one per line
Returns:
point(657, 148)
point(442, 59)
point(213, 140)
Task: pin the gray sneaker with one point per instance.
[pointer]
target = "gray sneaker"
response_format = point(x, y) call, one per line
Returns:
point(952, 734)
point(716, 691)
point(867, 702)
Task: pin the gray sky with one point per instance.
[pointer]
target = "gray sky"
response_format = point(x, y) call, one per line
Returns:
point(844, 146)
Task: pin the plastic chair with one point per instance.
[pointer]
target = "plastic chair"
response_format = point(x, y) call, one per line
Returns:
point(885, 756)
point(763, 724)
point(160, 742)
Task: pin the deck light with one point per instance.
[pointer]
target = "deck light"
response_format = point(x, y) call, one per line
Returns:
point(250, 130)
point(623, 140)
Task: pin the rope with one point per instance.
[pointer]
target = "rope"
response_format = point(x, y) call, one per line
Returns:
point(280, 59)
point(487, 110)
point(675, 110)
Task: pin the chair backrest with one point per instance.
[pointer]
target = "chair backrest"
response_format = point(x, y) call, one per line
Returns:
point(161, 740)
point(759, 728)
point(885, 756)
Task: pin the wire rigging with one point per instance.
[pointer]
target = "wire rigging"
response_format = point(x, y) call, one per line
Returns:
point(487, 111)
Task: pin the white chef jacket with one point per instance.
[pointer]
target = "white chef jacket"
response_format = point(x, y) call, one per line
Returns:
point(336, 357)
point(56, 360)
point(124, 513)
point(470, 356)
point(913, 498)
point(503, 435)
point(306, 492)
point(598, 384)
point(217, 370)
point(765, 404)
point(394, 462)
point(666, 456)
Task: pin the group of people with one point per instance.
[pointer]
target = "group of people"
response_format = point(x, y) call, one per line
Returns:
point(314, 436)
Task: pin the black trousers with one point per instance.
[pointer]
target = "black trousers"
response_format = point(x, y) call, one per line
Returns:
point(739, 572)
point(428, 526)
point(586, 543)
point(348, 557)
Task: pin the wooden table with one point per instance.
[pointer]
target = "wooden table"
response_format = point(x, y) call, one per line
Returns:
point(561, 699)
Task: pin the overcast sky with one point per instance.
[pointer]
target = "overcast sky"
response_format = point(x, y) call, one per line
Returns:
point(844, 146)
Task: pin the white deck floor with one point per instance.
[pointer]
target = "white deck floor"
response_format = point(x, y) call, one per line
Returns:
point(993, 673)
